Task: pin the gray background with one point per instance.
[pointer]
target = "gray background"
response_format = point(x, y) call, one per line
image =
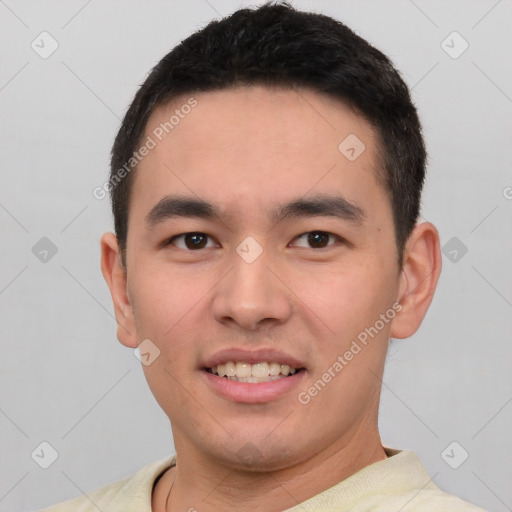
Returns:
point(64, 377)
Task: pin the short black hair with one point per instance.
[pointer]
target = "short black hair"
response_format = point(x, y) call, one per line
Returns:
point(278, 45)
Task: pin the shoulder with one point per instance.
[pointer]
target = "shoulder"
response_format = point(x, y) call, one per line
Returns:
point(427, 500)
point(406, 486)
point(132, 493)
point(399, 482)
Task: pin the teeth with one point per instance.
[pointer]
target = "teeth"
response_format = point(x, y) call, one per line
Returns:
point(275, 369)
point(259, 372)
point(243, 370)
point(285, 369)
point(230, 369)
point(254, 380)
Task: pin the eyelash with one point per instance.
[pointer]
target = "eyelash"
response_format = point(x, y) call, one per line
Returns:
point(175, 237)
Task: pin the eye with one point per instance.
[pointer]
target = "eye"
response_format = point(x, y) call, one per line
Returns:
point(318, 239)
point(192, 241)
point(196, 240)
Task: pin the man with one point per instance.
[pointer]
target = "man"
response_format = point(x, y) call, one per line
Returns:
point(266, 184)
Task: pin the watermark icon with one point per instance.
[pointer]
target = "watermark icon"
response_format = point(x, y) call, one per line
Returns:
point(249, 454)
point(305, 397)
point(454, 455)
point(44, 250)
point(146, 352)
point(454, 45)
point(454, 249)
point(44, 455)
point(507, 192)
point(351, 147)
point(44, 45)
point(249, 249)
point(157, 135)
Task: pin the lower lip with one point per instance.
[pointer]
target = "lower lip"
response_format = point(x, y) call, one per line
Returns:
point(253, 393)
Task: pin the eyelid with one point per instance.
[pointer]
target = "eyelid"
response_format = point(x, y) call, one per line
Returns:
point(333, 235)
point(170, 240)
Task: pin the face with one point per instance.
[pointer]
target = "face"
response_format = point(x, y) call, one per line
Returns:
point(292, 262)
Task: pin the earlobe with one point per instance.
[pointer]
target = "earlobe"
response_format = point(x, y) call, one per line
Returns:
point(116, 279)
point(418, 279)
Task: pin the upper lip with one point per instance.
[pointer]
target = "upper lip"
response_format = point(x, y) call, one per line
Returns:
point(241, 355)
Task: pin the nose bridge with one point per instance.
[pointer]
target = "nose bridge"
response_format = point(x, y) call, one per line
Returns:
point(251, 276)
point(251, 293)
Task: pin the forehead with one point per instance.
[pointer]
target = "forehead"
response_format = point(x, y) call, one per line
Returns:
point(250, 146)
point(275, 119)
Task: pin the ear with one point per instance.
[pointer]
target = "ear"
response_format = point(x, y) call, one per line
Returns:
point(116, 278)
point(418, 280)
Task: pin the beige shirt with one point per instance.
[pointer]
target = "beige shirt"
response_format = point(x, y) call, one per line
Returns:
point(398, 483)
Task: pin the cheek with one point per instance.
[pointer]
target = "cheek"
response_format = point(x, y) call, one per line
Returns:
point(164, 313)
point(347, 299)
point(162, 304)
point(160, 298)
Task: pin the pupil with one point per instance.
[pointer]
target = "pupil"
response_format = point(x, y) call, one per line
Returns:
point(196, 239)
point(315, 238)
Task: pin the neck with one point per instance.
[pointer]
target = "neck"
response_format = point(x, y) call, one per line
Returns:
point(198, 482)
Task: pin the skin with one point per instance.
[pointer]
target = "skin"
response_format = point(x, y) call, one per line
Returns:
point(247, 149)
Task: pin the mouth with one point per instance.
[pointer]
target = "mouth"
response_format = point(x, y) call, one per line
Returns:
point(263, 371)
point(253, 376)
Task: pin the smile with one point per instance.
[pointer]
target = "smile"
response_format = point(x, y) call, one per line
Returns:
point(252, 373)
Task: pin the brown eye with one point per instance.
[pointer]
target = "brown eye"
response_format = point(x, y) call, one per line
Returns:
point(317, 239)
point(192, 241)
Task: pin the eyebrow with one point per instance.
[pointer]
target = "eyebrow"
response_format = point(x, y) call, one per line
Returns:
point(320, 205)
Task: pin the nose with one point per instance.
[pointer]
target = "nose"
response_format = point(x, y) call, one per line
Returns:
point(253, 295)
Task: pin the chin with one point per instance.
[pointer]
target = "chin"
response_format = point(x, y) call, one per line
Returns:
point(258, 454)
